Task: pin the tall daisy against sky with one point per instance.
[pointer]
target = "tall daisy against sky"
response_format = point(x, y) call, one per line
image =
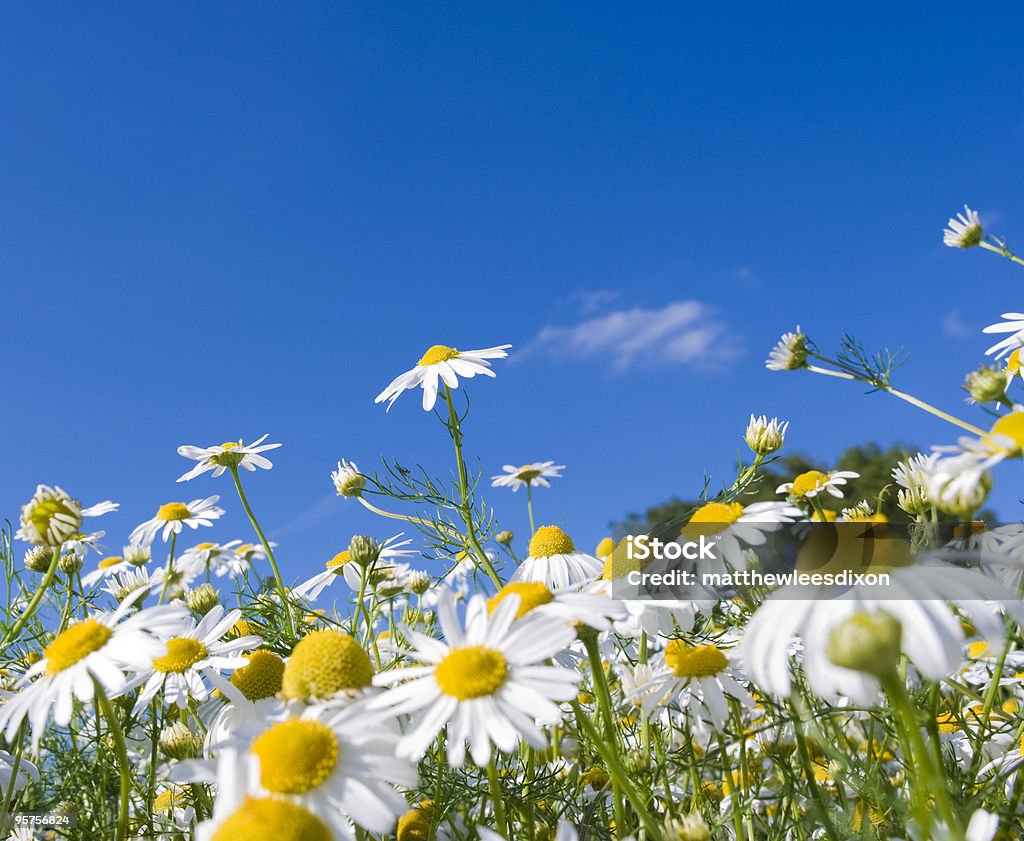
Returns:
point(196, 651)
point(341, 564)
point(225, 456)
point(486, 681)
point(53, 516)
point(735, 526)
point(555, 561)
point(94, 652)
point(172, 517)
point(964, 230)
point(443, 363)
point(339, 764)
point(528, 474)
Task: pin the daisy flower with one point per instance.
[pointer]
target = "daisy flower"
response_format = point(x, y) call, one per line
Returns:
point(123, 585)
point(960, 484)
point(444, 363)
point(485, 681)
point(27, 772)
point(231, 454)
point(964, 230)
point(195, 651)
point(52, 516)
point(555, 561)
point(735, 526)
point(1014, 367)
point(341, 564)
point(348, 481)
point(337, 764)
point(808, 485)
point(99, 648)
point(913, 476)
point(571, 606)
point(232, 558)
point(789, 353)
point(172, 516)
point(1015, 326)
point(105, 568)
point(528, 474)
point(700, 677)
point(764, 436)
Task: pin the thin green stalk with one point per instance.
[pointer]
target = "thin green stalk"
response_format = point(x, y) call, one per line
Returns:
point(812, 782)
point(455, 428)
point(282, 592)
point(496, 799)
point(1002, 251)
point(529, 507)
point(168, 567)
point(122, 758)
point(37, 597)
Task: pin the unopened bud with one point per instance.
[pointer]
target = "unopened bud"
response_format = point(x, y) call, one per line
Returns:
point(202, 599)
point(505, 537)
point(178, 742)
point(986, 385)
point(363, 550)
point(764, 436)
point(38, 558)
point(867, 642)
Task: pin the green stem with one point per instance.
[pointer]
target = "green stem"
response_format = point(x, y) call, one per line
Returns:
point(529, 507)
point(37, 597)
point(282, 592)
point(496, 797)
point(122, 757)
point(455, 428)
point(1002, 251)
point(167, 568)
point(812, 782)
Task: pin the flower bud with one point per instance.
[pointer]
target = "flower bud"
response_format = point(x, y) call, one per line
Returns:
point(37, 559)
point(764, 437)
point(137, 554)
point(69, 563)
point(419, 582)
point(202, 599)
point(986, 385)
point(687, 828)
point(348, 481)
point(178, 742)
point(505, 537)
point(363, 550)
point(866, 642)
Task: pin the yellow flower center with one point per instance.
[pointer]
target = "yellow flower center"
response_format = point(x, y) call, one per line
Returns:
point(170, 799)
point(550, 540)
point(694, 660)
point(605, 547)
point(1009, 426)
point(269, 819)
point(173, 511)
point(527, 473)
point(812, 480)
point(339, 560)
point(712, 518)
point(977, 649)
point(112, 561)
point(531, 594)
point(230, 445)
point(962, 531)
point(325, 663)
point(46, 509)
point(471, 672)
point(1013, 361)
point(296, 755)
point(261, 678)
point(618, 564)
point(182, 654)
point(74, 644)
point(438, 353)
point(414, 825)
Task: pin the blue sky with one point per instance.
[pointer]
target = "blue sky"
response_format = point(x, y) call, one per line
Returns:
point(220, 220)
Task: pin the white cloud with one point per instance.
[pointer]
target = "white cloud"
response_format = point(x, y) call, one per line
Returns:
point(954, 326)
point(680, 333)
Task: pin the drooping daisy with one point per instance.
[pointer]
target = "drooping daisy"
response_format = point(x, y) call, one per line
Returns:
point(808, 485)
point(700, 677)
point(101, 648)
point(964, 230)
point(226, 456)
point(444, 363)
point(348, 481)
point(52, 516)
point(555, 561)
point(789, 354)
point(173, 515)
point(486, 683)
point(195, 651)
point(339, 764)
point(1013, 325)
point(537, 473)
point(913, 476)
point(341, 564)
point(960, 484)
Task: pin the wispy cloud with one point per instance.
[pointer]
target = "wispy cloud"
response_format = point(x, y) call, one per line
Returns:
point(316, 513)
point(954, 326)
point(680, 333)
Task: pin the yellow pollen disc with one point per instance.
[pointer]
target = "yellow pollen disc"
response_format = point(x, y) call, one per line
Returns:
point(230, 445)
point(325, 663)
point(106, 563)
point(977, 649)
point(1010, 426)
point(694, 660)
point(471, 672)
point(618, 564)
point(438, 353)
point(1013, 361)
point(173, 511)
point(46, 509)
point(712, 518)
point(527, 473)
point(339, 560)
point(947, 723)
point(296, 755)
point(170, 799)
point(74, 644)
point(605, 547)
point(269, 819)
point(550, 540)
point(182, 654)
point(812, 480)
point(531, 594)
point(414, 825)
point(202, 547)
point(261, 678)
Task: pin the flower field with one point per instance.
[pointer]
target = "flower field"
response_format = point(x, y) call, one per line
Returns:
point(445, 678)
